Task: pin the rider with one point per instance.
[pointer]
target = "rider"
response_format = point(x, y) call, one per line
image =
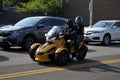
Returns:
point(79, 30)
point(75, 33)
point(69, 30)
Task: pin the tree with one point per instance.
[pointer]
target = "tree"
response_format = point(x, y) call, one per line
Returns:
point(1, 1)
point(51, 7)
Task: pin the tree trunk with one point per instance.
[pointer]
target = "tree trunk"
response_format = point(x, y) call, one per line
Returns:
point(1, 5)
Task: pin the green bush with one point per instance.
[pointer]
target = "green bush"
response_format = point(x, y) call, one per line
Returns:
point(9, 2)
point(52, 7)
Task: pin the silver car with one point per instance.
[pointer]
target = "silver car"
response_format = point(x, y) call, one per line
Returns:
point(27, 31)
point(103, 31)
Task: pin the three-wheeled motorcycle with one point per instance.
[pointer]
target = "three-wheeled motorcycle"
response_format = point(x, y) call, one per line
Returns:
point(57, 49)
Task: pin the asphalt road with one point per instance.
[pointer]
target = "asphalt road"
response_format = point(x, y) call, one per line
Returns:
point(101, 63)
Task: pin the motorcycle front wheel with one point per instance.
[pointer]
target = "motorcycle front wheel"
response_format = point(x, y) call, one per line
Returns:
point(32, 52)
point(62, 58)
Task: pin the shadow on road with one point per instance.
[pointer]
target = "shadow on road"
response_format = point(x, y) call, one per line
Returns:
point(91, 50)
point(101, 67)
point(15, 50)
point(3, 58)
point(115, 44)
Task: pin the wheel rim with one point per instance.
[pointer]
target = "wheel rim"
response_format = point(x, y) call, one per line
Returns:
point(63, 57)
point(28, 42)
point(107, 40)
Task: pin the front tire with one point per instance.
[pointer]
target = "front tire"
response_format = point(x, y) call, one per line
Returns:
point(5, 46)
point(32, 52)
point(106, 40)
point(27, 42)
point(62, 58)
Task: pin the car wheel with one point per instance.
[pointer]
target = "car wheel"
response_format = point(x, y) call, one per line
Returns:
point(80, 55)
point(5, 46)
point(106, 40)
point(27, 42)
point(62, 58)
point(32, 52)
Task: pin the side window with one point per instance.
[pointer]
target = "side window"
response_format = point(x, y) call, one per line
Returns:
point(117, 24)
point(45, 22)
point(61, 22)
point(53, 22)
point(57, 22)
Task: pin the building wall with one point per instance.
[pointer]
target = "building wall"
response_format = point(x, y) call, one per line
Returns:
point(103, 9)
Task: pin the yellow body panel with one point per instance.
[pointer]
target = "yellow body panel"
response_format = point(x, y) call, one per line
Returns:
point(42, 58)
point(60, 42)
point(34, 45)
point(60, 49)
point(45, 48)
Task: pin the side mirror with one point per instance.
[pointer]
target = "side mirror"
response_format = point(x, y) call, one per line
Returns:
point(114, 27)
point(40, 26)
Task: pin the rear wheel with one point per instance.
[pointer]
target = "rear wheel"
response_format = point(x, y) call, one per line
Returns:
point(27, 42)
point(80, 55)
point(62, 58)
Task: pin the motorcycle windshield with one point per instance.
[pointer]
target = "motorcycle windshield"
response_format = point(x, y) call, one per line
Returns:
point(53, 32)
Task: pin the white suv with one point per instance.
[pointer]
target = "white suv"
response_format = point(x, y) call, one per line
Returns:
point(103, 31)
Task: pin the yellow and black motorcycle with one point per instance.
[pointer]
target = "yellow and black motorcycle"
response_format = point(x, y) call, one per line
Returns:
point(56, 49)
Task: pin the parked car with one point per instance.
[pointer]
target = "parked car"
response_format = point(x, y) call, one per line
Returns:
point(103, 31)
point(27, 31)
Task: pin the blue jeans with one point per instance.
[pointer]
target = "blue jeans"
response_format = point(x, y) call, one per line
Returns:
point(79, 39)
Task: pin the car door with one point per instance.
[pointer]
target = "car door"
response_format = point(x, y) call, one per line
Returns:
point(116, 29)
point(42, 29)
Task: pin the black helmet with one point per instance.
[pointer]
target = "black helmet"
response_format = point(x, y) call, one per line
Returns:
point(78, 19)
point(70, 22)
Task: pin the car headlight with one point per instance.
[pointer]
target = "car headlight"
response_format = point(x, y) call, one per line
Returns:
point(16, 31)
point(97, 32)
point(94, 32)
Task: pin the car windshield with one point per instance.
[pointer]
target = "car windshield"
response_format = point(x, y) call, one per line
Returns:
point(28, 22)
point(102, 24)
